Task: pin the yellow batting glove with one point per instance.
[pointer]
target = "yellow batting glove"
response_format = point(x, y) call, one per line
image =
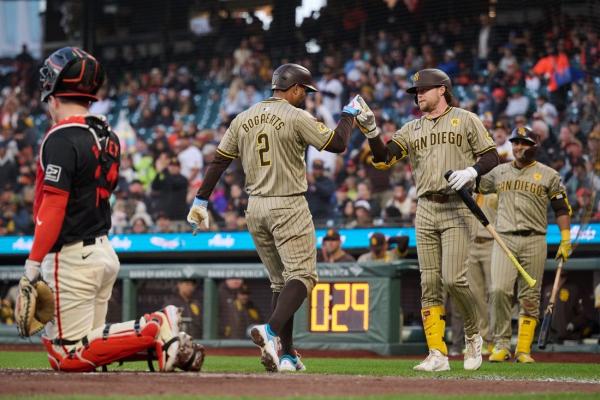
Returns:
point(564, 249)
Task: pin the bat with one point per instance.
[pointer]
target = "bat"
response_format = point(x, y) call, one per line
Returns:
point(547, 321)
point(470, 203)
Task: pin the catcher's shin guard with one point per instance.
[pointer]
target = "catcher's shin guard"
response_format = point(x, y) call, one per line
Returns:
point(525, 338)
point(434, 324)
point(103, 346)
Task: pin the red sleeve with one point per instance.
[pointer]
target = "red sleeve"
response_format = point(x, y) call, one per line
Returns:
point(48, 221)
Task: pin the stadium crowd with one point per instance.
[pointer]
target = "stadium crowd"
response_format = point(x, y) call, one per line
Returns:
point(170, 118)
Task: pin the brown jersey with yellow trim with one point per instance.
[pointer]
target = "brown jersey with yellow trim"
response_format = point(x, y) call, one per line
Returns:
point(271, 139)
point(434, 146)
point(523, 195)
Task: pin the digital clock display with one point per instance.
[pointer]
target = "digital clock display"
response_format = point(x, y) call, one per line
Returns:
point(339, 307)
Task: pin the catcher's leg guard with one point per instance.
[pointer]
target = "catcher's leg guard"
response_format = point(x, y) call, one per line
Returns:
point(104, 345)
point(434, 324)
point(525, 338)
point(168, 340)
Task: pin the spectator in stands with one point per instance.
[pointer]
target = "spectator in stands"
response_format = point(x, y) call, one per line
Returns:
point(400, 201)
point(141, 223)
point(380, 248)
point(164, 224)
point(331, 89)
point(547, 110)
point(503, 146)
point(190, 97)
point(517, 103)
point(362, 215)
point(170, 189)
point(8, 166)
point(190, 158)
point(320, 192)
point(331, 249)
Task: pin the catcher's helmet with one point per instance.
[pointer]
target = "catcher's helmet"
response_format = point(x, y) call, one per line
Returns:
point(524, 134)
point(71, 72)
point(430, 77)
point(288, 75)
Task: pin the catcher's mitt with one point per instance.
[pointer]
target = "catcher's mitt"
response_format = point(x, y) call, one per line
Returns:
point(34, 306)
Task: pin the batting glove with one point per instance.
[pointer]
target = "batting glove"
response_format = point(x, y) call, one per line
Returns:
point(198, 214)
point(32, 270)
point(462, 177)
point(564, 248)
point(366, 120)
point(353, 108)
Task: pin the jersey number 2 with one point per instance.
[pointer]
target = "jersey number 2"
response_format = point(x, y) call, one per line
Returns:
point(262, 144)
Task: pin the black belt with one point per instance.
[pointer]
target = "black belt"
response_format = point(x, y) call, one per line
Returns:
point(86, 242)
point(525, 233)
point(437, 197)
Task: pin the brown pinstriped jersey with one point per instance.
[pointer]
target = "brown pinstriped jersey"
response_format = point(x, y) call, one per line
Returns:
point(271, 138)
point(523, 195)
point(434, 146)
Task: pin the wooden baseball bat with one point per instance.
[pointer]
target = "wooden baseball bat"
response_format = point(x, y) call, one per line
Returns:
point(470, 203)
point(547, 321)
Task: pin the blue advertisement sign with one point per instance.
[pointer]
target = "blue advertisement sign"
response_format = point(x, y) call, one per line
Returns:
point(242, 241)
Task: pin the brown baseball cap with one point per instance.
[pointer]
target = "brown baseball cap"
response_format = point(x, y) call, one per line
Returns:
point(332, 234)
point(377, 240)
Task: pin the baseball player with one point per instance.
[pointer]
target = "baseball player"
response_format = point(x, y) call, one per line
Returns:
point(331, 250)
point(78, 168)
point(479, 262)
point(271, 138)
point(444, 138)
point(524, 187)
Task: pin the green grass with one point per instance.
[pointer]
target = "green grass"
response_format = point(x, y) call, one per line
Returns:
point(349, 366)
point(346, 366)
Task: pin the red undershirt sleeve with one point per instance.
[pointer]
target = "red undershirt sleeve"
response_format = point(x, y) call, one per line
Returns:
point(49, 221)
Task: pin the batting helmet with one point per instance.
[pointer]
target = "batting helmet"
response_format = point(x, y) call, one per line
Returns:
point(71, 72)
point(288, 75)
point(524, 134)
point(430, 77)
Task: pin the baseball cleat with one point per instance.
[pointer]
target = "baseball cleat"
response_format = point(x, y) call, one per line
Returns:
point(499, 355)
point(487, 348)
point(435, 362)
point(269, 346)
point(473, 357)
point(288, 363)
point(524, 358)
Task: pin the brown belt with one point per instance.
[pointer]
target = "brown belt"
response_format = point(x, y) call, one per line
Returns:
point(437, 197)
point(480, 240)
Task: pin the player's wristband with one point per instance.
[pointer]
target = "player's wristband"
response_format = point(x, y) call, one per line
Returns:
point(200, 202)
point(565, 235)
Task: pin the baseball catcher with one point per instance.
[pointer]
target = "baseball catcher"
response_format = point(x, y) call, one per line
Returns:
point(72, 267)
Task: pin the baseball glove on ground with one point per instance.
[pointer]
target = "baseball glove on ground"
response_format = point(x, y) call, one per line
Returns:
point(34, 306)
